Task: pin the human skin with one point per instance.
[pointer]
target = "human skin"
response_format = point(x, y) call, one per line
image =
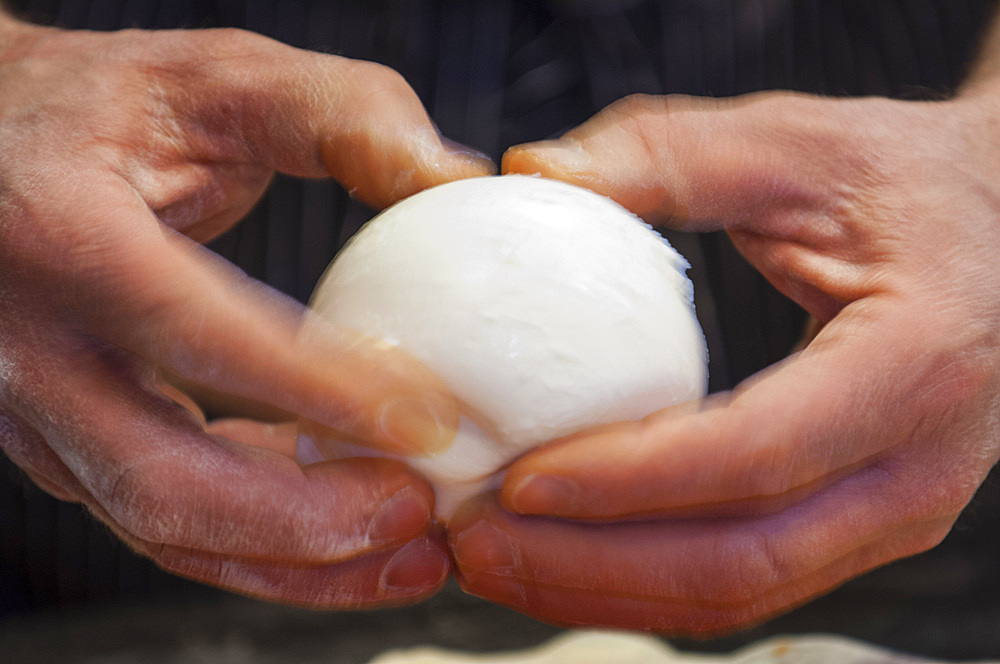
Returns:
point(120, 152)
point(880, 218)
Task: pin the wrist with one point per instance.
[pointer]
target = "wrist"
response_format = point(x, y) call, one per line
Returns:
point(975, 123)
point(8, 28)
point(14, 34)
point(978, 97)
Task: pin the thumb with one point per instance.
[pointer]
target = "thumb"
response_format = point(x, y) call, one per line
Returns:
point(696, 163)
point(790, 177)
point(311, 114)
point(384, 147)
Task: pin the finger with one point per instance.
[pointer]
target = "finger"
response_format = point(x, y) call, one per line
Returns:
point(840, 404)
point(414, 571)
point(149, 466)
point(200, 199)
point(312, 114)
point(225, 405)
point(691, 576)
point(185, 310)
point(790, 178)
point(810, 330)
point(180, 398)
point(701, 164)
point(278, 437)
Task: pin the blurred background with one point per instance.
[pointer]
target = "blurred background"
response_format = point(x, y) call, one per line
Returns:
point(492, 74)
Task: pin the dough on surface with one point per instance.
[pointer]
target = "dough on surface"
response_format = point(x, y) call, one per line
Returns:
point(598, 647)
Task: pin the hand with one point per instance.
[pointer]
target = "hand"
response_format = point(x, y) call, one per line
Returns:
point(119, 151)
point(880, 218)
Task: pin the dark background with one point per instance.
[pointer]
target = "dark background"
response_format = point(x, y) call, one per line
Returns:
point(493, 74)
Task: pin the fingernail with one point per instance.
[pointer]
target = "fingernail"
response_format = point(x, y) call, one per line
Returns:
point(478, 160)
point(545, 494)
point(415, 426)
point(402, 516)
point(418, 566)
point(568, 156)
point(485, 548)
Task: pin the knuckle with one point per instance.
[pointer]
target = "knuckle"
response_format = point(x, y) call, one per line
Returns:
point(934, 534)
point(638, 115)
point(143, 504)
point(217, 60)
point(232, 40)
point(381, 90)
point(921, 538)
point(947, 498)
point(638, 104)
point(377, 76)
point(744, 571)
point(12, 438)
point(28, 450)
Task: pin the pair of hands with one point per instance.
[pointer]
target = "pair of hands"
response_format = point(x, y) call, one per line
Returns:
point(123, 150)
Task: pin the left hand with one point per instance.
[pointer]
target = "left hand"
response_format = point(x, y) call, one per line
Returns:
point(880, 218)
point(119, 151)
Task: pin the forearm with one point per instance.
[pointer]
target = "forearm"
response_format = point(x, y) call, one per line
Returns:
point(12, 32)
point(984, 74)
point(975, 106)
point(8, 25)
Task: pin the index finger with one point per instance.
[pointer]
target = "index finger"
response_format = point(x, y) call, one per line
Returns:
point(163, 297)
point(844, 402)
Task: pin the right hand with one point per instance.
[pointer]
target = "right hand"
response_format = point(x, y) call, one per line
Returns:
point(119, 149)
point(877, 216)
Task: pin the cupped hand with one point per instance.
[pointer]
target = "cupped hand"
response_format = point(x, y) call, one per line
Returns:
point(880, 218)
point(120, 152)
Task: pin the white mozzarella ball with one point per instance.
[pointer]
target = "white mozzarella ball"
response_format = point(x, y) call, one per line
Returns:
point(545, 308)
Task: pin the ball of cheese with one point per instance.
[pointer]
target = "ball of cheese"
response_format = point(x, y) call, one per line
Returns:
point(545, 308)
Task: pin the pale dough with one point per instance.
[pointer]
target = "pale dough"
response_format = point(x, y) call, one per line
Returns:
point(598, 647)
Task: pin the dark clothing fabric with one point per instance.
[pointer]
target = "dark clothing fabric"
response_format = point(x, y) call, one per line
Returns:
point(497, 73)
